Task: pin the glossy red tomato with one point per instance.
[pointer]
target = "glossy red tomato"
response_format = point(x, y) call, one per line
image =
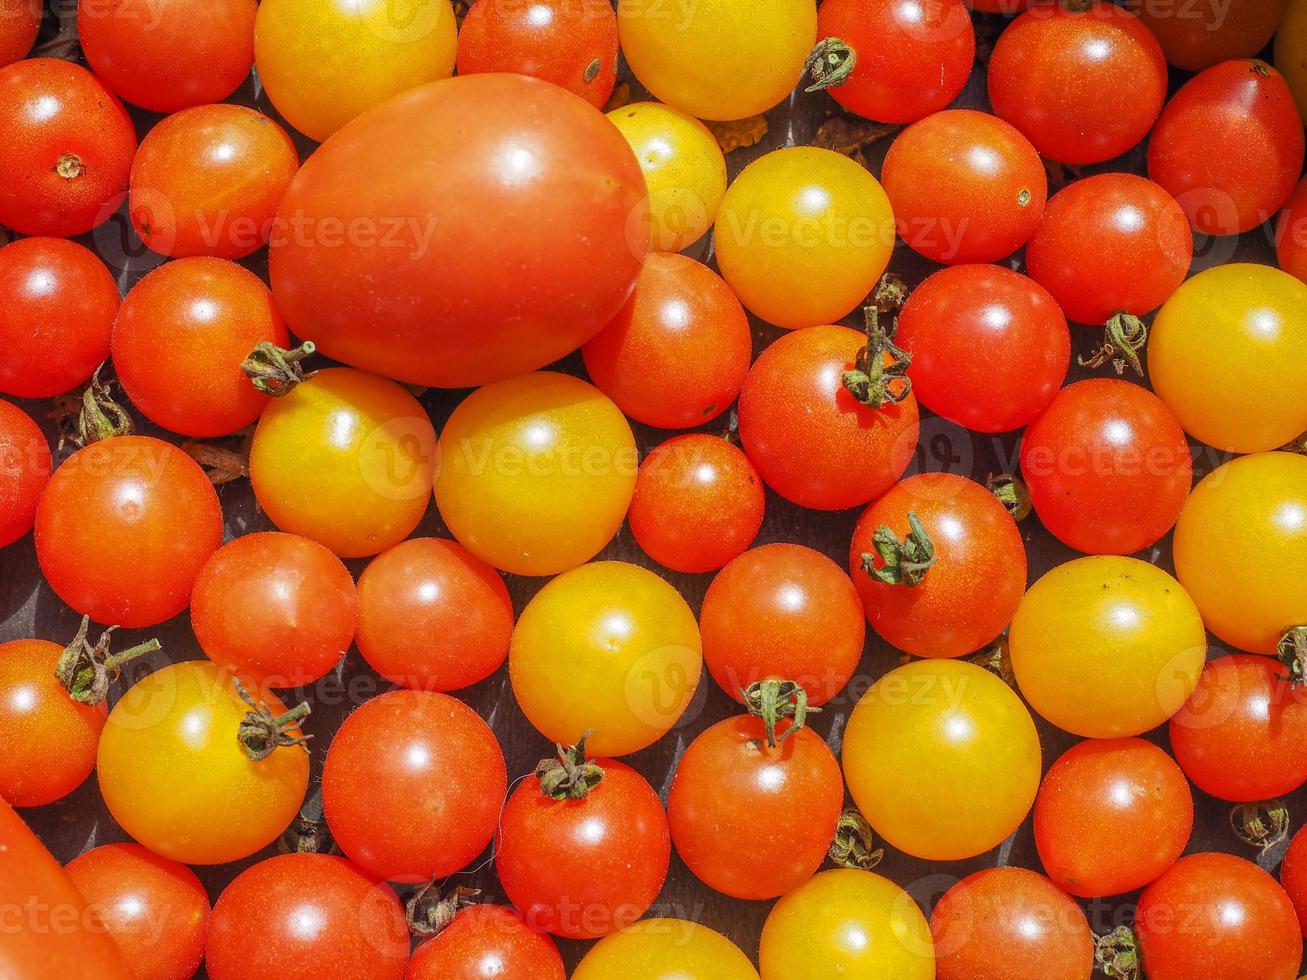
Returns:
point(976, 572)
point(1059, 74)
point(583, 854)
point(990, 347)
point(572, 43)
point(785, 612)
point(1108, 467)
point(433, 616)
point(181, 337)
point(785, 800)
point(1215, 915)
point(1290, 234)
point(60, 301)
point(1112, 816)
point(306, 915)
point(413, 785)
point(698, 503)
point(462, 290)
point(487, 942)
point(25, 465)
point(965, 187)
point(124, 527)
point(1108, 244)
point(1293, 876)
point(156, 910)
point(67, 150)
point(169, 54)
point(677, 353)
point(1230, 185)
point(20, 22)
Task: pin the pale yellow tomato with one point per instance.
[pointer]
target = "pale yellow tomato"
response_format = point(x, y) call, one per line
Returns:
point(1291, 51)
point(665, 949)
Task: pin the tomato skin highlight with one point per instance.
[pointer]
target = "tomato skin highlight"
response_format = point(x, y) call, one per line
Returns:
point(25, 465)
point(484, 942)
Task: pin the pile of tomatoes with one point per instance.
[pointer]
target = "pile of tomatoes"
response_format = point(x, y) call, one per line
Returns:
point(830, 390)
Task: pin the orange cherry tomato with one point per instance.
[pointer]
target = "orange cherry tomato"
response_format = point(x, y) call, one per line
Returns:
point(1200, 35)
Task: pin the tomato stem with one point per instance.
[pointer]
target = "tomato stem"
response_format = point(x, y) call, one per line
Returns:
point(1124, 338)
point(428, 913)
point(275, 371)
point(101, 417)
point(261, 733)
point(1012, 493)
point(854, 844)
point(829, 64)
point(87, 671)
point(872, 381)
point(69, 166)
point(1117, 954)
point(570, 776)
point(1260, 825)
point(771, 700)
point(903, 561)
point(1292, 652)
point(890, 294)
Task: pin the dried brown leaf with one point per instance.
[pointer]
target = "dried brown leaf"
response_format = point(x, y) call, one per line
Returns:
point(737, 133)
point(849, 136)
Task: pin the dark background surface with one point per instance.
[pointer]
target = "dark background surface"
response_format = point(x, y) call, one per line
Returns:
point(29, 608)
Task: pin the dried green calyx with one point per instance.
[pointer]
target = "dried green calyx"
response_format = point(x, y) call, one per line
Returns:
point(569, 776)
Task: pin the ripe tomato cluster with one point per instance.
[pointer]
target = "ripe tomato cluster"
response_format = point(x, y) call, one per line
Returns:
point(478, 387)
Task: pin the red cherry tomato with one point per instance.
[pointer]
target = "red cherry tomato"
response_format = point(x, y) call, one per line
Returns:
point(969, 595)
point(179, 341)
point(584, 867)
point(910, 57)
point(1290, 234)
point(784, 612)
point(1293, 876)
point(413, 785)
point(677, 353)
point(1112, 816)
point(1210, 32)
point(1108, 467)
point(67, 150)
point(1084, 85)
point(965, 187)
point(20, 22)
point(1233, 183)
point(433, 616)
point(572, 44)
point(25, 465)
point(306, 915)
point(698, 503)
point(1215, 915)
point(784, 800)
point(155, 909)
point(123, 529)
point(487, 942)
point(60, 301)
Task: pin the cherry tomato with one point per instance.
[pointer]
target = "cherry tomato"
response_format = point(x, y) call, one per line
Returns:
point(811, 440)
point(1215, 915)
point(124, 527)
point(572, 44)
point(1007, 7)
point(784, 800)
point(1246, 324)
point(179, 341)
point(990, 348)
point(803, 235)
point(179, 776)
point(1292, 877)
point(25, 465)
point(323, 64)
point(413, 786)
point(486, 942)
point(698, 503)
point(1108, 244)
point(1241, 549)
point(965, 186)
point(1212, 32)
point(942, 758)
point(1112, 816)
point(1049, 60)
point(724, 59)
point(462, 290)
point(676, 355)
point(665, 949)
point(155, 909)
point(535, 473)
point(306, 915)
point(68, 148)
point(1108, 467)
point(1291, 234)
point(207, 181)
point(1291, 51)
point(432, 616)
point(1010, 924)
point(899, 60)
point(344, 459)
point(1107, 647)
point(844, 922)
point(610, 649)
point(20, 21)
point(977, 576)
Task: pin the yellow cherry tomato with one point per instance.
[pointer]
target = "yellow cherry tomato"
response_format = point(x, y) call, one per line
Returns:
point(1291, 51)
point(665, 949)
point(176, 776)
point(803, 236)
point(607, 648)
point(846, 923)
point(683, 167)
point(1228, 355)
point(344, 459)
point(535, 473)
point(1241, 549)
point(718, 59)
point(1107, 647)
point(323, 62)
point(942, 758)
